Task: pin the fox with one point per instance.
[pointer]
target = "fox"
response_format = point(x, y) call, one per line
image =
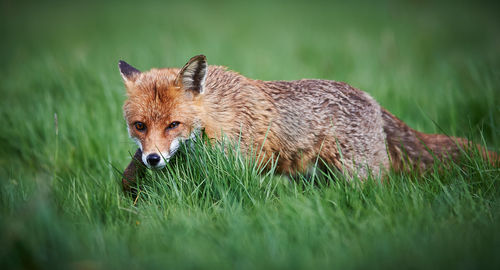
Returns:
point(291, 122)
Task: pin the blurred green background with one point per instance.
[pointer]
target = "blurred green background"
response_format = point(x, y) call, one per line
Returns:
point(434, 64)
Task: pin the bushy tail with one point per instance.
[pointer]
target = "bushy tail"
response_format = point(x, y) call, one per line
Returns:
point(410, 149)
point(442, 145)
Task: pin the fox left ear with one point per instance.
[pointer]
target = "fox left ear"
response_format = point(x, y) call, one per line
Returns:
point(192, 76)
point(128, 72)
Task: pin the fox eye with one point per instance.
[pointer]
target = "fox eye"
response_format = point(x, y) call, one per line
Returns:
point(140, 126)
point(173, 125)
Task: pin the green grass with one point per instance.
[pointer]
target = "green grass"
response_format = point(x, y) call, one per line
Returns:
point(434, 65)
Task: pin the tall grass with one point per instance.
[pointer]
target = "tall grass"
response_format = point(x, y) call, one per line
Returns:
point(435, 65)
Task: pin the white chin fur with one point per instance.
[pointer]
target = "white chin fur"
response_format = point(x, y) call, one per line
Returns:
point(174, 146)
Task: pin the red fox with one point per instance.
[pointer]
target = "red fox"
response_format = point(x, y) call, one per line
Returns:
point(294, 121)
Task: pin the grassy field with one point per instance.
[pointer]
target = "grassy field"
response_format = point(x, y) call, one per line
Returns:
point(434, 65)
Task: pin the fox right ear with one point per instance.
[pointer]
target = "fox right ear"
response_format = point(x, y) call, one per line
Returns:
point(128, 72)
point(192, 76)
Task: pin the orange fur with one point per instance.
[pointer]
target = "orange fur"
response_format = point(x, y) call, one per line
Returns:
point(297, 121)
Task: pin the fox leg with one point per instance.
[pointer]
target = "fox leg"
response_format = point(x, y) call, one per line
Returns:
point(134, 169)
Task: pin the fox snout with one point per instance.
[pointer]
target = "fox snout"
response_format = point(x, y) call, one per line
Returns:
point(155, 157)
point(156, 148)
point(158, 159)
point(155, 160)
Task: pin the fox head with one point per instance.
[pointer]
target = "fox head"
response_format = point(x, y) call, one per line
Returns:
point(163, 107)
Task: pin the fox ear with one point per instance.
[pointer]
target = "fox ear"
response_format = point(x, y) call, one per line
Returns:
point(128, 72)
point(192, 76)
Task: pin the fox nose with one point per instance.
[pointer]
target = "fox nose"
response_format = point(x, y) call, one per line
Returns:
point(153, 159)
